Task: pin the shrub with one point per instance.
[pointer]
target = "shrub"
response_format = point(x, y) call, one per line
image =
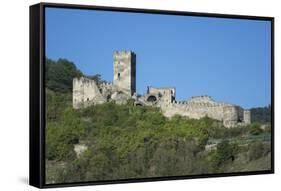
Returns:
point(225, 152)
point(258, 149)
point(255, 129)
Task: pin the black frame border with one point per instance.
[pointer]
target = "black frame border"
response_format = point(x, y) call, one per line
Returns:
point(37, 93)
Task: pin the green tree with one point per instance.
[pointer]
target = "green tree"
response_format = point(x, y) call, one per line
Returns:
point(255, 129)
point(261, 114)
point(59, 75)
point(225, 152)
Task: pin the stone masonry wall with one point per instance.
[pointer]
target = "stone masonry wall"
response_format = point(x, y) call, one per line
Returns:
point(193, 110)
point(247, 116)
point(124, 71)
point(201, 106)
point(85, 93)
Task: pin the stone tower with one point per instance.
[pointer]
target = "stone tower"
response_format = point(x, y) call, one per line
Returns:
point(247, 117)
point(230, 116)
point(124, 75)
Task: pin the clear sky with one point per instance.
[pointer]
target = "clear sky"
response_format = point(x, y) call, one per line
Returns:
point(228, 59)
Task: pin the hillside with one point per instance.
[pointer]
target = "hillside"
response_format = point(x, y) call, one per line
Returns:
point(127, 141)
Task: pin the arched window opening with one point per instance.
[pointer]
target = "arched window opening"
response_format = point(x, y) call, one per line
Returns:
point(151, 98)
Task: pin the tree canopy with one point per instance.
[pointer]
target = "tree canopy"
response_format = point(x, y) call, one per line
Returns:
point(59, 75)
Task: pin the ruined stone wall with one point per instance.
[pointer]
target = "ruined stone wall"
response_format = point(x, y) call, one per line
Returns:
point(240, 114)
point(124, 75)
point(85, 93)
point(200, 107)
point(247, 116)
point(202, 99)
point(193, 110)
point(197, 107)
point(107, 89)
point(166, 94)
point(230, 116)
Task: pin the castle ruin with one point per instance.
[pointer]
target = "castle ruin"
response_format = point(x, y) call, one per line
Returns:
point(88, 92)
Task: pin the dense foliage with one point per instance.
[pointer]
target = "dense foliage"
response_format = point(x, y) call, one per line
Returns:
point(127, 141)
point(97, 78)
point(261, 114)
point(59, 75)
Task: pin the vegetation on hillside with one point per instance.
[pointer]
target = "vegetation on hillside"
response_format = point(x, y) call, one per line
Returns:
point(127, 141)
point(261, 114)
point(59, 75)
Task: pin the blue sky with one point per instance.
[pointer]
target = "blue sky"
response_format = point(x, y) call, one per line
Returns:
point(228, 59)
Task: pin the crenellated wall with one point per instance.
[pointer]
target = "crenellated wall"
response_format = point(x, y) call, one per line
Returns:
point(195, 110)
point(201, 106)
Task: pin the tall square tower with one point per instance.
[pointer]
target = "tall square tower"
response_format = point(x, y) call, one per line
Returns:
point(124, 76)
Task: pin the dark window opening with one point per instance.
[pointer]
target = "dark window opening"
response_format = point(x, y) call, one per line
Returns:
point(151, 99)
point(118, 76)
point(88, 99)
point(108, 98)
